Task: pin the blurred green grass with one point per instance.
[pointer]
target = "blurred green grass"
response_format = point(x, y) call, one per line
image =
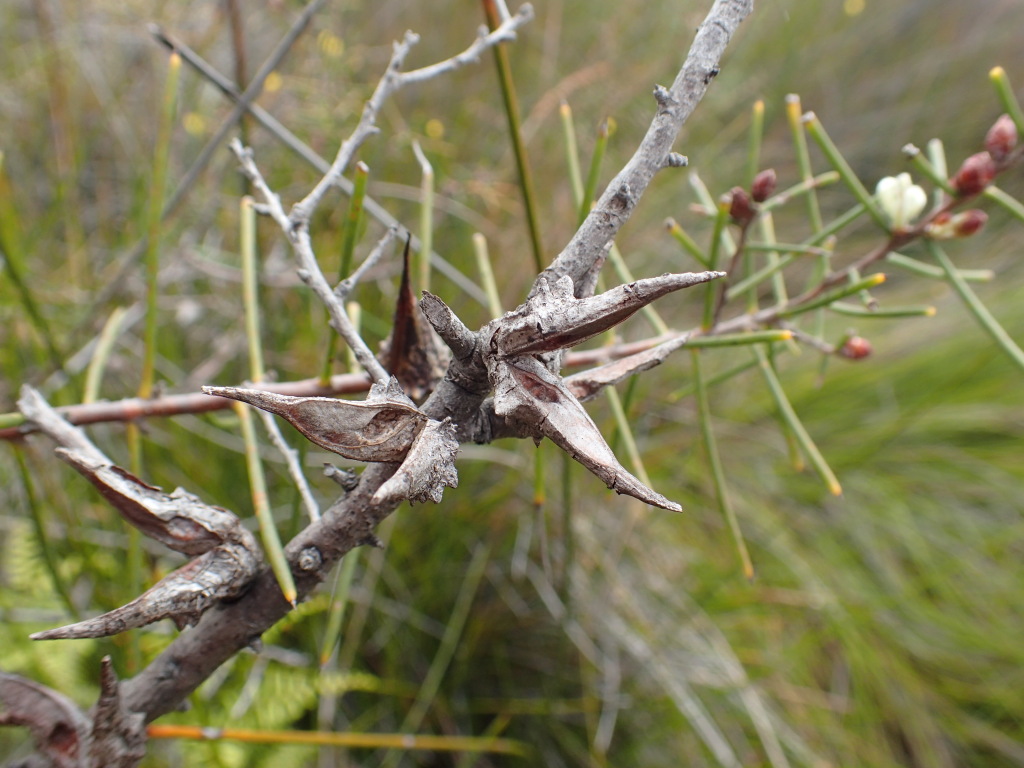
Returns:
point(882, 628)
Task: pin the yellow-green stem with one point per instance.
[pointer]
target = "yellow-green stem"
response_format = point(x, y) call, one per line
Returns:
point(754, 141)
point(572, 154)
point(594, 174)
point(39, 528)
point(257, 481)
point(402, 741)
point(715, 464)
point(446, 651)
point(794, 112)
point(511, 102)
point(791, 420)
point(976, 307)
point(835, 157)
point(1001, 81)
point(483, 265)
point(157, 188)
point(426, 217)
point(349, 237)
point(101, 355)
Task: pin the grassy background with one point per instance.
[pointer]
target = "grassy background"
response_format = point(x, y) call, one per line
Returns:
point(883, 627)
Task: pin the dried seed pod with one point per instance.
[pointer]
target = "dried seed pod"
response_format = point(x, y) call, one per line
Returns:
point(529, 394)
point(555, 319)
point(381, 428)
point(178, 520)
point(183, 596)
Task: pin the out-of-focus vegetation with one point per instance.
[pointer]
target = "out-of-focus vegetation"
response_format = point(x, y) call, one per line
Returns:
point(883, 627)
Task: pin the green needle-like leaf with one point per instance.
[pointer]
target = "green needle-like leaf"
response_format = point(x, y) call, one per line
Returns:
point(793, 422)
point(976, 307)
point(715, 464)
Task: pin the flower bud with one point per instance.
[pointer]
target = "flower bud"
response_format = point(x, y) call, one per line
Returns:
point(947, 226)
point(1001, 138)
point(741, 208)
point(855, 348)
point(763, 186)
point(974, 175)
point(900, 199)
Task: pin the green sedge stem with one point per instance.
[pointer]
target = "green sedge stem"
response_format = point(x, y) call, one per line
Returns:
point(594, 173)
point(835, 157)
point(511, 102)
point(483, 265)
point(355, 316)
point(855, 287)
point(793, 422)
point(704, 197)
point(250, 297)
point(626, 431)
point(261, 505)
point(572, 155)
point(15, 266)
point(339, 599)
point(923, 166)
point(739, 339)
point(1001, 81)
point(39, 528)
point(157, 188)
point(101, 355)
point(754, 142)
point(718, 236)
point(715, 463)
point(927, 270)
point(715, 380)
point(257, 481)
point(799, 189)
point(855, 310)
point(794, 114)
point(976, 307)
point(1011, 204)
point(426, 216)
point(353, 224)
point(687, 242)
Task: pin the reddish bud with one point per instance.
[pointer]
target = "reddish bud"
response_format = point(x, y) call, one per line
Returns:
point(741, 207)
point(946, 226)
point(1001, 138)
point(763, 186)
point(855, 348)
point(967, 223)
point(974, 175)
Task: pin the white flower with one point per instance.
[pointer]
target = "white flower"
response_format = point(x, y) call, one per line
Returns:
point(900, 199)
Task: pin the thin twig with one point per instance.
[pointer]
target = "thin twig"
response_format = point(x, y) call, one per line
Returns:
point(291, 459)
point(303, 150)
point(309, 268)
point(675, 105)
